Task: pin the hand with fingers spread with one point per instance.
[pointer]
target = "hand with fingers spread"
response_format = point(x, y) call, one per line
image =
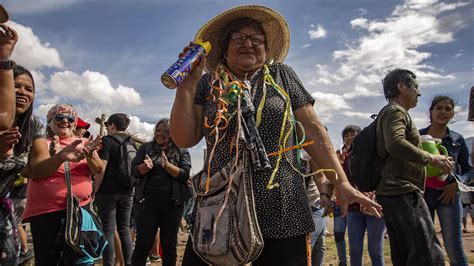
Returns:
point(347, 194)
point(448, 196)
point(72, 152)
point(8, 39)
point(8, 139)
point(92, 145)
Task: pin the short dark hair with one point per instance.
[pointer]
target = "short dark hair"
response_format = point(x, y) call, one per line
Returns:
point(121, 121)
point(393, 78)
point(439, 98)
point(235, 26)
point(350, 129)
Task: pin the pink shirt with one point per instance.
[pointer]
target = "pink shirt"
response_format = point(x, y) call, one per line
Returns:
point(48, 194)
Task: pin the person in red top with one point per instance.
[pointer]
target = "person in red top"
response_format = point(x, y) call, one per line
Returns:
point(46, 197)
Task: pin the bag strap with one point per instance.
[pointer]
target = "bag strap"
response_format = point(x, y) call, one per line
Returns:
point(72, 233)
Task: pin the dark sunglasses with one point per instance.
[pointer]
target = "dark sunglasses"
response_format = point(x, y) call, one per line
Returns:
point(60, 117)
point(255, 39)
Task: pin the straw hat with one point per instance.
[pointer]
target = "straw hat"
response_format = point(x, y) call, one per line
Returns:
point(277, 32)
point(3, 14)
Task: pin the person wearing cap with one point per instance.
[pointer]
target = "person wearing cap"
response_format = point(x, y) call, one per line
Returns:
point(249, 44)
point(81, 128)
point(8, 39)
point(113, 200)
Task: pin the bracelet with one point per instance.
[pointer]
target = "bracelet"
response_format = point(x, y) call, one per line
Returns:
point(7, 64)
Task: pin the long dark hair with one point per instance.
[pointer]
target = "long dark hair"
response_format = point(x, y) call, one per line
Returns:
point(171, 150)
point(24, 121)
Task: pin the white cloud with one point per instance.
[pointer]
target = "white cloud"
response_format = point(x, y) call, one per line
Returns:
point(357, 114)
point(31, 52)
point(317, 32)
point(306, 45)
point(142, 130)
point(360, 91)
point(93, 87)
point(395, 42)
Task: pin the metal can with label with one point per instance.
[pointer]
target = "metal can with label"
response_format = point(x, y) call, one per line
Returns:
point(180, 69)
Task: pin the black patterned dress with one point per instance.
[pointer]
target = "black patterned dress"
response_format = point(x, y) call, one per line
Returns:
point(283, 211)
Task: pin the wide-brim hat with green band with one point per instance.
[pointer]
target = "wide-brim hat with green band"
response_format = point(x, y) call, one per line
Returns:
point(277, 32)
point(3, 14)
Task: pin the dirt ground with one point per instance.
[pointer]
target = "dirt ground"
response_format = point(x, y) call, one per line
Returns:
point(331, 257)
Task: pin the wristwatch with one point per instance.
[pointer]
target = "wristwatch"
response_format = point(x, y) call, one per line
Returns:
point(7, 64)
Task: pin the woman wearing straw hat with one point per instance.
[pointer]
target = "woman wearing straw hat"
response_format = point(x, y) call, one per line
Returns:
point(249, 44)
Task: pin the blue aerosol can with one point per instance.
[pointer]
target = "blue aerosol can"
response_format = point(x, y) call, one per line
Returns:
point(180, 69)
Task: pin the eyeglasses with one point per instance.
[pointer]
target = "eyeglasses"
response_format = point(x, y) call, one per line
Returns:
point(61, 117)
point(255, 39)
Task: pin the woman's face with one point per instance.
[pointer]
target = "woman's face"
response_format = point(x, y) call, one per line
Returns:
point(161, 135)
point(25, 93)
point(348, 138)
point(246, 51)
point(63, 124)
point(442, 112)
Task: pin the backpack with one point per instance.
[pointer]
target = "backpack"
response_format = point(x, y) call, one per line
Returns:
point(127, 152)
point(226, 230)
point(364, 163)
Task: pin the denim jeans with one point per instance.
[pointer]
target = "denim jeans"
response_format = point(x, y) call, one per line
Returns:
point(114, 211)
point(317, 237)
point(450, 221)
point(411, 231)
point(357, 224)
point(339, 234)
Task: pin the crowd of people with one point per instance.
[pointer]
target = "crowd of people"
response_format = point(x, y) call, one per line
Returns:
point(293, 193)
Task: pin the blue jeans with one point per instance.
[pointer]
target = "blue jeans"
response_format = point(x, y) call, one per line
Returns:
point(317, 237)
point(450, 221)
point(339, 234)
point(357, 224)
point(114, 211)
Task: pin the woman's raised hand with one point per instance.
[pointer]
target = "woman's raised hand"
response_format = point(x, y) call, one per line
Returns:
point(148, 162)
point(164, 160)
point(54, 146)
point(8, 39)
point(92, 145)
point(72, 152)
point(192, 80)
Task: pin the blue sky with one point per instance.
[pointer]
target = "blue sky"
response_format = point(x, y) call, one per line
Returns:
point(108, 56)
